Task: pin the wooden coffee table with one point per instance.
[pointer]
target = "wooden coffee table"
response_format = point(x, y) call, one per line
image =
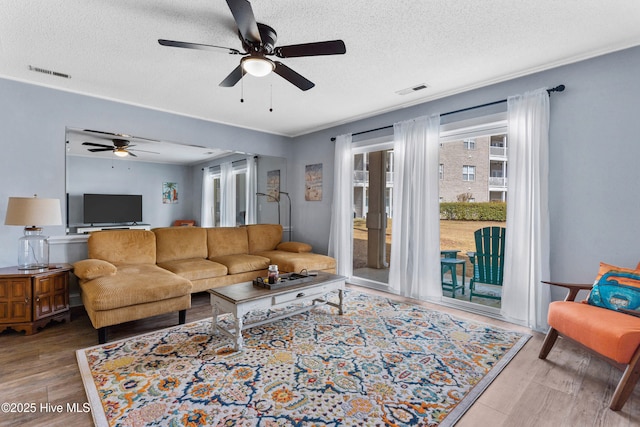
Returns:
point(241, 298)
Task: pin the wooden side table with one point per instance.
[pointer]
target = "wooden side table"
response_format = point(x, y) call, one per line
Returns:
point(29, 299)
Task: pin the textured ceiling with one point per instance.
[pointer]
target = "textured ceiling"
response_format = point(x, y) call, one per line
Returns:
point(110, 50)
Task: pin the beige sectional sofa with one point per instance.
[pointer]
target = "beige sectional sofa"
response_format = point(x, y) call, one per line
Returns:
point(133, 274)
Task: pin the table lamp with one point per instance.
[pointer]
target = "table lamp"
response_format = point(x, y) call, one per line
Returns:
point(33, 212)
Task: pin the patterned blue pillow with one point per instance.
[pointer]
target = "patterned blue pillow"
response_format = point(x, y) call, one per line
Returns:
point(616, 290)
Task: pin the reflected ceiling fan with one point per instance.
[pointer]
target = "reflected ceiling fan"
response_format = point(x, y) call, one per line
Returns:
point(121, 147)
point(258, 42)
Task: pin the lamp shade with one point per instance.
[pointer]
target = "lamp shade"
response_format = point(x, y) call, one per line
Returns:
point(33, 211)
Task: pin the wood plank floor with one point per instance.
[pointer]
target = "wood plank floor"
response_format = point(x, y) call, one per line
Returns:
point(571, 388)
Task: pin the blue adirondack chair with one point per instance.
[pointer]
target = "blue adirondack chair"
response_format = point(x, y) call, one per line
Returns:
point(487, 261)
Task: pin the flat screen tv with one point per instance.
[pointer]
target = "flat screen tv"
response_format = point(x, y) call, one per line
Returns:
point(112, 208)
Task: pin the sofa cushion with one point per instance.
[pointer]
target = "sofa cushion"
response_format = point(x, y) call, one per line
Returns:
point(226, 241)
point(194, 268)
point(263, 237)
point(294, 247)
point(175, 243)
point(134, 284)
point(242, 263)
point(123, 246)
point(292, 262)
point(88, 269)
point(610, 333)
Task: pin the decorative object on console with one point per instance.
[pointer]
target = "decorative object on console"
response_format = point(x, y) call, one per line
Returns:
point(32, 213)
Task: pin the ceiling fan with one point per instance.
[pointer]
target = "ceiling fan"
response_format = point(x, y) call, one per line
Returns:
point(120, 146)
point(258, 42)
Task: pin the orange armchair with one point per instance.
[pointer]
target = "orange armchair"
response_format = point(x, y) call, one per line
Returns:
point(613, 335)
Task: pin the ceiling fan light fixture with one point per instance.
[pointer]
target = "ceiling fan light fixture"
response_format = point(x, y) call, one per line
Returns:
point(120, 152)
point(256, 66)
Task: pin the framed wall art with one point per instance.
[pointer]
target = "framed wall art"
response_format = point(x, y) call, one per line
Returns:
point(313, 182)
point(169, 192)
point(273, 185)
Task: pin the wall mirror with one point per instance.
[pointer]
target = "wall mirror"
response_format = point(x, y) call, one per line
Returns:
point(168, 175)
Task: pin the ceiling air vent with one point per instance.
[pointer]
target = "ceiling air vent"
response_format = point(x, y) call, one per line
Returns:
point(51, 73)
point(412, 89)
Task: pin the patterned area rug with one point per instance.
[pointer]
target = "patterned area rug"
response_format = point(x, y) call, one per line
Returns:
point(383, 363)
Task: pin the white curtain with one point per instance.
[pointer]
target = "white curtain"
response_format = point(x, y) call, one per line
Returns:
point(252, 189)
point(206, 215)
point(227, 196)
point(341, 232)
point(525, 300)
point(415, 241)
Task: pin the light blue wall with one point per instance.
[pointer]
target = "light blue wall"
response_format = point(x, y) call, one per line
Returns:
point(594, 161)
point(32, 135)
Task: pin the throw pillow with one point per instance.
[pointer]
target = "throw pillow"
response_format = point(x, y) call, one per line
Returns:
point(617, 290)
point(605, 268)
point(89, 269)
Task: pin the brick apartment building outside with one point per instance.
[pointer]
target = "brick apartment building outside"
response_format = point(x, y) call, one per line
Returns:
point(471, 169)
point(474, 169)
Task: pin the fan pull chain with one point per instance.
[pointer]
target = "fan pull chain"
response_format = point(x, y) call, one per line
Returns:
point(242, 87)
point(271, 100)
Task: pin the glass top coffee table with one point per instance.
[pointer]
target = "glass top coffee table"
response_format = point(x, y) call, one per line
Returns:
point(241, 298)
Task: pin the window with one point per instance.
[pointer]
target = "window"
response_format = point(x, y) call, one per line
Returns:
point(468, 173)
point(469, 144)
point(226, 195)
point(240, 191)
point(217, 200)
point(441, 171)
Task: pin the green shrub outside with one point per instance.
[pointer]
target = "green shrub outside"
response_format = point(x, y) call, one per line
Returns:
point(465, 211)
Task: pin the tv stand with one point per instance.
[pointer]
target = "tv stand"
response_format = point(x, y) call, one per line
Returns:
point(86, 230)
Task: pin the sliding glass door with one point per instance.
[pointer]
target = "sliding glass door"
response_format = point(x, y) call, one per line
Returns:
point(372, 213)
point(473, 195)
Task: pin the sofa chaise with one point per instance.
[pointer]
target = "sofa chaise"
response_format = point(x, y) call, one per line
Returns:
point(134, 274)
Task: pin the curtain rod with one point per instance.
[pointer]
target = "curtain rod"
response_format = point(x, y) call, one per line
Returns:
point(558, 88)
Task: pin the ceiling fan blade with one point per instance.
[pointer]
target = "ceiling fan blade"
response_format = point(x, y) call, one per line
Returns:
point(93, 144)
point(99, 133)
point(199, 46)
point(332, 47)
point(245, 20)
point(142, 151)
point(233, 78)
point(293, 77)
point(131, 154)
point(105, 133)
point(96, 150)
